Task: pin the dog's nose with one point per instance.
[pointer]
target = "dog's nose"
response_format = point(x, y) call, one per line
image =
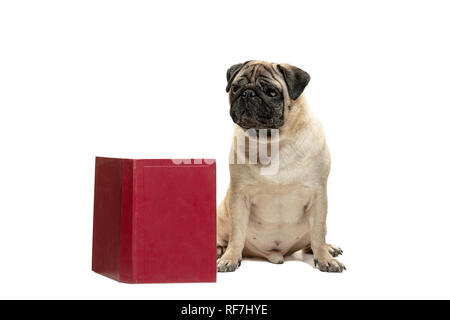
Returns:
point(248, 93)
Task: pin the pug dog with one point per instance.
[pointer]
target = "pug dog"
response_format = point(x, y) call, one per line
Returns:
point(274, 215)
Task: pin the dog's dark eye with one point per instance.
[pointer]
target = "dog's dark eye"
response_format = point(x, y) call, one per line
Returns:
point(271, 92)
point(235, 88)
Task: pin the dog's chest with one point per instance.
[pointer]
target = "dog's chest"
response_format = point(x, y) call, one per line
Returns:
point(277, 215)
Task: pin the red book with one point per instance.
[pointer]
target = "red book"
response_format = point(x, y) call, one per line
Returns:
point(155, 220)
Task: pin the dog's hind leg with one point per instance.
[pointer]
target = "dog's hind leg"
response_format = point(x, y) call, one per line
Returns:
point(307, 250)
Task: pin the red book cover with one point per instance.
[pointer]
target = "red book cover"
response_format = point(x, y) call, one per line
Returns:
point(155, 220)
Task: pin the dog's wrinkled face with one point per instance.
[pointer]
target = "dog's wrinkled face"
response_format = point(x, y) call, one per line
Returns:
point(256, 93)
point(256, 98)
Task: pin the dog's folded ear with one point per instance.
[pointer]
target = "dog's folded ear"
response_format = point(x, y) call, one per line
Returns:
point(296, 79)
point(232, 72)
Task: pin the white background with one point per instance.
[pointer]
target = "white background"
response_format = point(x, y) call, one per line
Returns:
point(146, 79)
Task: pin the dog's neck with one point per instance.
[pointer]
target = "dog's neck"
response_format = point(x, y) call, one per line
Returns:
point(295, 135)
point(301, 132)
point(297, 120)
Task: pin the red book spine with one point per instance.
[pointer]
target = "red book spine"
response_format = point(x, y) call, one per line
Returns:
point(106, 248)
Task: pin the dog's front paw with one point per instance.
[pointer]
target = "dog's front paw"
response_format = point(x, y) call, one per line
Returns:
point(225, 264)
point(329, 265)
